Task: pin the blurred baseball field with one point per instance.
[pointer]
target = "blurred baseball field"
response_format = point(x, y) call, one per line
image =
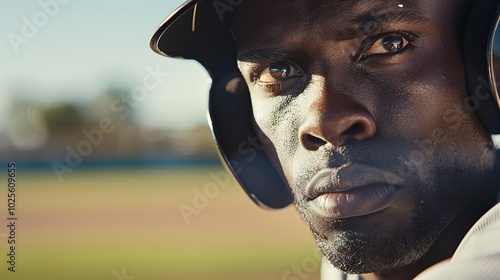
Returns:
point(126, 224)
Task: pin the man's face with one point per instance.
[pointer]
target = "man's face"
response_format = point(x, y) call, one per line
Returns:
point(362, 108)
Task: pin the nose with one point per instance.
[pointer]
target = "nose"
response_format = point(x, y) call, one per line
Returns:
point(335, 119)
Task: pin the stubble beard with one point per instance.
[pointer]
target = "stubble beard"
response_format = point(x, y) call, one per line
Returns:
point(356, 250)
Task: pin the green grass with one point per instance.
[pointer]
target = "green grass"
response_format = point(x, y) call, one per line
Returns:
point(97, 222)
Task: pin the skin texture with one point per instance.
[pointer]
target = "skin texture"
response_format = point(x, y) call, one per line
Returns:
point(343, 83)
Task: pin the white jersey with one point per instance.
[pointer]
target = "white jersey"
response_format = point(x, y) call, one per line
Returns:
point(477, 257)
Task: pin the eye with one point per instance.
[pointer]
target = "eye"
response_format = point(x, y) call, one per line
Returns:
point(386, 45)
point(279, 72)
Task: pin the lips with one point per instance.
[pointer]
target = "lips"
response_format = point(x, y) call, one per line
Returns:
point(351, 191)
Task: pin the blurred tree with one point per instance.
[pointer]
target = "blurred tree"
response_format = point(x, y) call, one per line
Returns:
point(61, 116)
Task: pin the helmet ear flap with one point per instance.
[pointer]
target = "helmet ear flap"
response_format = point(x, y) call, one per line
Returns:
point(231, 120)
point(482, 62)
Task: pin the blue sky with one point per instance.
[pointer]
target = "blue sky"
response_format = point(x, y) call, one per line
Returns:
point(75, 53)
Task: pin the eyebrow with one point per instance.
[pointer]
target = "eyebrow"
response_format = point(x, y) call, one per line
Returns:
point(363, 25)
point(368, 23)
point(265, 54)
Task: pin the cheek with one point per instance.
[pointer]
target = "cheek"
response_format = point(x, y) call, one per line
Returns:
point(426, 91)
point(277, 123)
point(433, 117)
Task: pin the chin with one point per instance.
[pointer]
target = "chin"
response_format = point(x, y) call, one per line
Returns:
point(369, 243)
point(364, 252)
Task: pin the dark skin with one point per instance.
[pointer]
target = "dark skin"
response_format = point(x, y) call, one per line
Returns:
point(361, 106)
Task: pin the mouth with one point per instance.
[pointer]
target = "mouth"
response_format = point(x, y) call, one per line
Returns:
point(351, 191)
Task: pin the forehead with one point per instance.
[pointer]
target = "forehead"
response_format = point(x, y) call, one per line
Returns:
point(311, 9)
point(257, 20)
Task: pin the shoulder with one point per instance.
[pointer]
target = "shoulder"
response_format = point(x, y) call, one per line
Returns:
point(477, 256)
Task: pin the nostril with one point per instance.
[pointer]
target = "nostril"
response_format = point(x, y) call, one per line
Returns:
point(333, 126)
point(354, 129)
point(315, 140)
